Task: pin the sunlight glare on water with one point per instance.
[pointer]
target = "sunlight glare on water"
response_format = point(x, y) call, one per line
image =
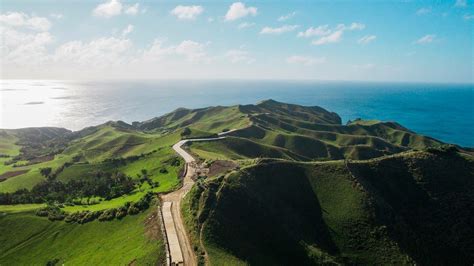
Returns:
point(78, 104)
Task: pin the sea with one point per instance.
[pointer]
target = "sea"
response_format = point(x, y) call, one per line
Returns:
point(442, 111)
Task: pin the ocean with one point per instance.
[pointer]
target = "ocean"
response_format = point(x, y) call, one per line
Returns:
point(442, 111)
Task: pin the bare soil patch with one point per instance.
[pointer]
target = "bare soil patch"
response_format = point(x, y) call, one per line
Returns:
point(10, 174)
point(42, 159)
point(221, 166)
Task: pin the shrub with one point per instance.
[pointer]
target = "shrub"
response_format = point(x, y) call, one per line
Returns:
point(56, 216)
point(121, 212)
point(132, 210)
point(107, 215)
point(186, 132)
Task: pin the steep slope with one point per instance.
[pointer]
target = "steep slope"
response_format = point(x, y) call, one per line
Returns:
point(392, 210)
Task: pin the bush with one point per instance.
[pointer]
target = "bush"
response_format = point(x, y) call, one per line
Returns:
point(186, 132)
point(88, 216)
point(56, 216)
point(107, 215)
point(54, 213)
point(443, 149)
point(132, 210)
point(121, 212)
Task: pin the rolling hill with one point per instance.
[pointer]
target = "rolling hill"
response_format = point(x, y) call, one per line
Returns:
point(414, 207)
point(307, 189)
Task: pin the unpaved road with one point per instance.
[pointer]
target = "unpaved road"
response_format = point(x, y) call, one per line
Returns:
point(176, 228)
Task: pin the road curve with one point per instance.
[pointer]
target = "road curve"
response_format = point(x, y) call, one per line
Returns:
point(181, 253)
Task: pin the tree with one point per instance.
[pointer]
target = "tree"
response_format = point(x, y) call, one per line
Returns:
point(186, 132)
point(46, 171)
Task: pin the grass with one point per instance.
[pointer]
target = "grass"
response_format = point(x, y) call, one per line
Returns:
point(275, 212)
point(20, 208)
point(240, 148)
point(28, 239)
point(107, 204)
point(33, 176)
point(105, 143)
point(400, 209)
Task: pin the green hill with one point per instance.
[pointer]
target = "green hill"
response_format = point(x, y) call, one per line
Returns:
point(415, 207)
point(300, 205)
point(312, 133)
point(31, 240)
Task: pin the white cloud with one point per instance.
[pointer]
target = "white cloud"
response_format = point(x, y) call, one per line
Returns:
point(132, 10)
point(193, 51)
point(187, 12)
point(16, 19)
point(279, 30)
point(331, 38)
point(239, 56)
point(468, 17)
point(56, 16)
point(239, 10)
point(127, 30)
point(24, 49)
point(423, 11)
point(108, 9)
point(318, 31)
point(210, 19)
point(367, 39)
point(245, 25)
point(157, 51)
point(102, 52)
point(353, 26)
point(305, 60)
point(426, 39)
point(461, 3)
point(287, 16)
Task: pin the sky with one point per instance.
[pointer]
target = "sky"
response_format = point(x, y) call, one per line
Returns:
point(412, 41)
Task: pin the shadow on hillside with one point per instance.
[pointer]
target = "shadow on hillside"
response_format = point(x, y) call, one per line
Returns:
point(426, 204)
point(269, 216)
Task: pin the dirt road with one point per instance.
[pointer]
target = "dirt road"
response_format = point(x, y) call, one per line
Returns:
point(181, 253)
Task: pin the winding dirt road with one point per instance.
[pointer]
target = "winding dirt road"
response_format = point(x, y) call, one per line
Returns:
point(180, 248)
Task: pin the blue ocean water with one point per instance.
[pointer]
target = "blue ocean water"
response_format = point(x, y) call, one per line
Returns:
point(442, 111)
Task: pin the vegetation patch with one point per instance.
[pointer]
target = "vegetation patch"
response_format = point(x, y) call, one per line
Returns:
point(34, 240)
point(9, 174)
point(398, 209)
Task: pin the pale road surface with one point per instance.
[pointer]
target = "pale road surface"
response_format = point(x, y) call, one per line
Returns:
point(181, 252)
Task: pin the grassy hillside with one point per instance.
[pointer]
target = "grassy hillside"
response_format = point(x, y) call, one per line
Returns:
point(28, 239)
point(93, 146)
point(267, 129)
point(286, 210)
point(393, 210)
point(312, 133)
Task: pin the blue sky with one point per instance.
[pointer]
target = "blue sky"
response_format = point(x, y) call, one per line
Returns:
point(428, 41)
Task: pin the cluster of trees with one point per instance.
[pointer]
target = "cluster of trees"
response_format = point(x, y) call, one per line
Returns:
point(54, 213)
point(144, 177)
point(102, 184)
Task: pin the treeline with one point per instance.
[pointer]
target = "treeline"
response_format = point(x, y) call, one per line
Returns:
point(54, 212)
point(102, 184)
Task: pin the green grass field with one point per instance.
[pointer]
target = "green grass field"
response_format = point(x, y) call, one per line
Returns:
point(105, 143)
point(31, 240)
